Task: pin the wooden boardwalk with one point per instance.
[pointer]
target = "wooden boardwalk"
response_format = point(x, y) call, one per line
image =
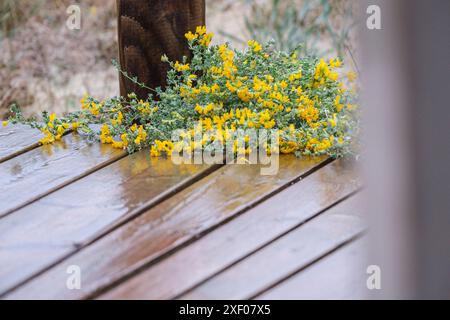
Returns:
point(145, 228)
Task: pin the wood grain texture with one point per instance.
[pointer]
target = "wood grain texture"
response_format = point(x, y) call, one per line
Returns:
point(17, 139)
point(71, 217)
point(242, 236)
point(338, 276)
point(285, 256)
point(164, 228)
point(40, 171)
point(149, 29)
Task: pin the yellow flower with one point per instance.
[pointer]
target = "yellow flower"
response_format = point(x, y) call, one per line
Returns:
point(48, 137)
point(181, 67)
point(205, 89)
point(256, 47)
point(105, 136)
point(94, 108)
point(84, 102)
point(206, 39)
point(201, 30)
point(244, 94)
point(288, 147)
point(269, 78)
point(60, 130)
point(142, 135)
point(118, 120)
point(154, 152)
point(215, 88)
point(216, 70)
point(204, 110)
point(295, 76)
point(5, 123)
point(117, 144)
point(333, 76)
point(230, 87)
point(333, 120)
point(270, 124)
point(309, 113)
point(335, 63)
point(322, 73)
point(75, 125)
point(317, 145)
point(338, 104)
point(199, 109)
point(190, 36)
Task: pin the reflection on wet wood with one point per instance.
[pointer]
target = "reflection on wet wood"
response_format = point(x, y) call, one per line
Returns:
point(339, 276)
point(17, 139)
point(241, 236)
point(73, 216)
point(40, 171)
point(171, 224)
point(285, 256)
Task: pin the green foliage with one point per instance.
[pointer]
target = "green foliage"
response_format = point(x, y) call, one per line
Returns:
point(220, 92)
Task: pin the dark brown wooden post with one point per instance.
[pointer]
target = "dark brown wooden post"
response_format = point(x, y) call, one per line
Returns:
point(147, 30)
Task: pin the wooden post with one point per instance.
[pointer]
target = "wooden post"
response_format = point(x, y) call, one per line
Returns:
point(148, 29)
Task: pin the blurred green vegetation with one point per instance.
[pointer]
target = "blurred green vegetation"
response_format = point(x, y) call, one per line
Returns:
point(323, 27)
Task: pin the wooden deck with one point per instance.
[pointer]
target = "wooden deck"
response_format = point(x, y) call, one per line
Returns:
point(145, 228)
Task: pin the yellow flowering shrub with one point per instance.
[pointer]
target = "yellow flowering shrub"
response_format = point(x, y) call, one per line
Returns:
point(224, 90)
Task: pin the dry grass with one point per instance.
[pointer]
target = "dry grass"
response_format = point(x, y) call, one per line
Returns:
point(44, 65)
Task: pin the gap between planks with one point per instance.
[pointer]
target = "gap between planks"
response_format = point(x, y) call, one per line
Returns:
point(267, 244)
point(164, 194)
point(240, 237)
point(17, 139)
point(314, 262)
point(182, 179)
point(26, 143)
point(208, 231)
point(338, 275)
point(21, 151)
point(25, 174)
point(288, 255)
point(200, 196)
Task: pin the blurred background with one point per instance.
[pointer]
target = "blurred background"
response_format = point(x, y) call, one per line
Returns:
point(46, 66)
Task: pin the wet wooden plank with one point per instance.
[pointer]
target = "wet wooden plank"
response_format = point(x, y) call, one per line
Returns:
point(166, 227)
point(284, 257)
point(41, 171)
point(340, 275)
point(71, 217)
point(17, 139)
point(240, 237)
